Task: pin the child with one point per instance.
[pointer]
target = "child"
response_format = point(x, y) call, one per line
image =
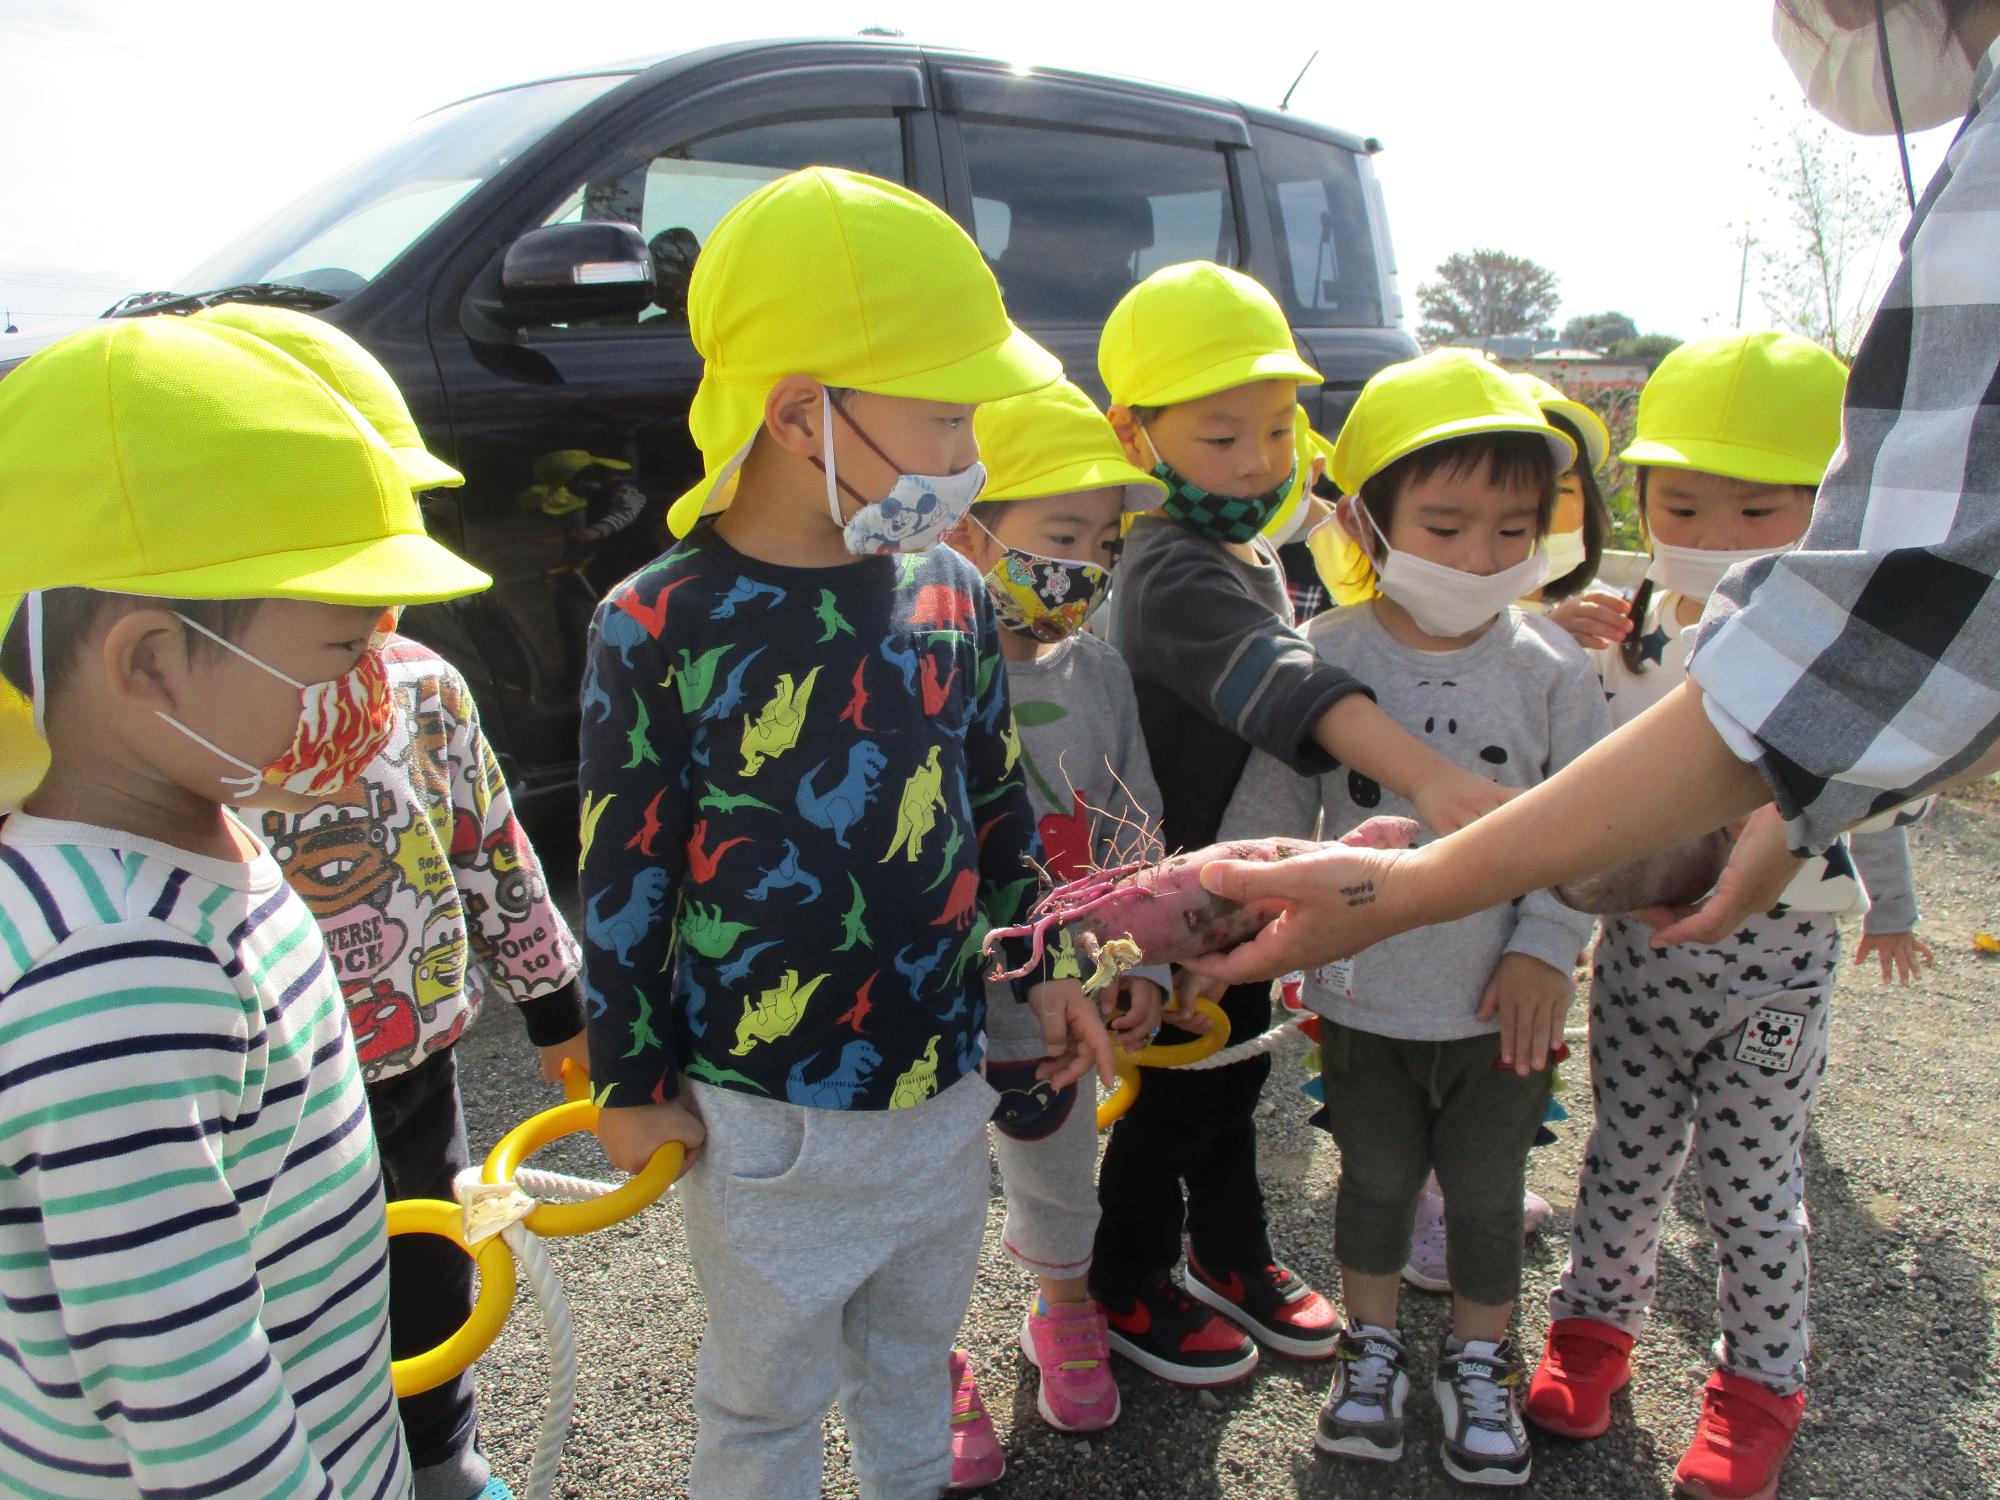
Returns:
point(1204, 384)
point(1713, 1054)
point(1045, 534)
point(799, 790)
point(413, 870)
point(192, 1244)
point(1574, 545)
point(1450, 471)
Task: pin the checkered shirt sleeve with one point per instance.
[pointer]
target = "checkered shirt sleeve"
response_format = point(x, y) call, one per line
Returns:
point(1865, 667)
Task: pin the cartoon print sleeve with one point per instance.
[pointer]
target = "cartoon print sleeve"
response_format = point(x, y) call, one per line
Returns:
point(634, 834)
point(999, 792)
point(518, 937)
point(1544, 928)
point(1883, 860)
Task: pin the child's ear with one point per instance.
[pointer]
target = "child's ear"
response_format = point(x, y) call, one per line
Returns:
point(962, 539)
point(144, 659)
point(793, 412)
point(1315, 474)
point(1126, 427)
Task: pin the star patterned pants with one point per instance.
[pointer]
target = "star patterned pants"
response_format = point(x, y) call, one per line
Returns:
point(1715, 1055)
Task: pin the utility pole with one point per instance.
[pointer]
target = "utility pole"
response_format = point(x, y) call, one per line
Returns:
point(1743, 275)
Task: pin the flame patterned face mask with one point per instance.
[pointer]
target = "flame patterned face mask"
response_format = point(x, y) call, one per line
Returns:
point(343, 724)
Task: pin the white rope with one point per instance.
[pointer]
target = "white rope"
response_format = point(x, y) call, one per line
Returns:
point(1257, 1046)
point(560, 1186)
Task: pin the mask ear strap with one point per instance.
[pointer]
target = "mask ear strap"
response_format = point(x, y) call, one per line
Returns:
point(834, 483)
point(1895, 105)
point(230, 645)
point(857, 429)
point(37, 698)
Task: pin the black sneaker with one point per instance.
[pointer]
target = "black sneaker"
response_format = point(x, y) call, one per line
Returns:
point(1167, 1333)
point(1271, 1305)
point(1478, 1389)
point(1363, 1415)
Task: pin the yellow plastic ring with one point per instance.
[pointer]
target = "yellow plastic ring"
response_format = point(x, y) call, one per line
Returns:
point(423, 1372)
point(552, 1220)
point(1111, 1108)
point(1113, 1105)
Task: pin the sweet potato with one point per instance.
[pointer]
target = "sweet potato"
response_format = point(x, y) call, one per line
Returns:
point(1159, 913)
point(1673, 877)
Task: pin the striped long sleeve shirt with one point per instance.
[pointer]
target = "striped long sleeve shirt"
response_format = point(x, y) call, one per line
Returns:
point(192, 1256)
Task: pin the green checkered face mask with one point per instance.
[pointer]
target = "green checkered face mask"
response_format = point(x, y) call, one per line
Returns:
point(1220, 518)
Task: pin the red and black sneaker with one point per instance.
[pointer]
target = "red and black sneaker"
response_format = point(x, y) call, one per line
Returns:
point(1167, 1333)
point(1271, 1305)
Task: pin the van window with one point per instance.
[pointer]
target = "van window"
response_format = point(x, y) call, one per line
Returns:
point(679, 196)
point(1326, 252)
point(1070, 221)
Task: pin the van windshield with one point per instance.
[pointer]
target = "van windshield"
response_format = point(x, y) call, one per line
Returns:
point(339, 236)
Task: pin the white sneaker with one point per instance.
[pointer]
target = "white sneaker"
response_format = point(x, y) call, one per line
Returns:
point(1363, 1415)
point(1478, 1391)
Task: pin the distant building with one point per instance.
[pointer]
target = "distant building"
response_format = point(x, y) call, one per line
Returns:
point(1572, 369)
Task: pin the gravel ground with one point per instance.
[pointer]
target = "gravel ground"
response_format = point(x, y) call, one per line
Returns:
point(1905, 1197)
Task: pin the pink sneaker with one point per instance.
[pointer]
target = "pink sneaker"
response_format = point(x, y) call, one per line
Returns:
point(1425, 1269)
point(977, 1459)
point(1072, 1349)
point(1535, 1212)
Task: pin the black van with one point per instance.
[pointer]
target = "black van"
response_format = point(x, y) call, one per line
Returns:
point(486, 259)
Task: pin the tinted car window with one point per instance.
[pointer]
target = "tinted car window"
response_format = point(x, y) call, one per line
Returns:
point(679, 196)
point(1326, 255)
point(1070, 221)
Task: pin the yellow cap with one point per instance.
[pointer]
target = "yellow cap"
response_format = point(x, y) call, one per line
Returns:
point(1763, 407)
point(1052, 442)
point(1596, 436)
point(856, 282)
point(1190, 330)
point(1448, 393)
point(24, 754)
point(350, 370)
point(187, 459)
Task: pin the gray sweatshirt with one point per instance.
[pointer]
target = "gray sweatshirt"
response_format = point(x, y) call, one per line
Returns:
point(1516, 705)
point(1080, 739)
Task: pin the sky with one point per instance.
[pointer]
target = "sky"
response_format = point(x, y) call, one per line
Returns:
point(1615, 142)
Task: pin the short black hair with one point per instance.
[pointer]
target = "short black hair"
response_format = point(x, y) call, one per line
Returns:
point(71, 616)
point(1596, 519)
point(1518, 459)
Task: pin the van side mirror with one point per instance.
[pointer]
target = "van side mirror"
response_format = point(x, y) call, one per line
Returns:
point(566, 273)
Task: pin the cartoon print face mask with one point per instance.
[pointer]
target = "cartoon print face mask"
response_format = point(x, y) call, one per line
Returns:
point(343, 724)
point(1044, 598)
point(918, 510)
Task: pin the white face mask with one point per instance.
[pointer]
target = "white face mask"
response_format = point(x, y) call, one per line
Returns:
point(1445, 601)
point(915, 514)
point(1843, 75)
point(1565, 552)
point(1695, 571)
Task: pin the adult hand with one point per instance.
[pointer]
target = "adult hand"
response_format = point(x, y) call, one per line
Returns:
point(1596, 620)
point(1328, 904)
point(1759, 869)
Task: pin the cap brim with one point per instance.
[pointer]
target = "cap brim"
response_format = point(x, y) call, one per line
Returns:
point(404, 568)
point(426, 471)
point(1596, 436)
point(1230, 373)
point(1561, 449)
point(1732, 460)
point(1141, 490)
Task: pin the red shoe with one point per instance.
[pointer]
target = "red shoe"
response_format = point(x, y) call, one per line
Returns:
point(1271, 1305)
point(1741, 1441)
point(1584, 1364)
point(1167, 1333)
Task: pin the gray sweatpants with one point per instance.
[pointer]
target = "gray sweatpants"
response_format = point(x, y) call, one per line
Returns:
point(1714, 1055)
point(836, 1252)
point(1048, 1164)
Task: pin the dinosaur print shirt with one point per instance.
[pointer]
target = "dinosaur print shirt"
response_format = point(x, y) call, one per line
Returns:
point(801, 809)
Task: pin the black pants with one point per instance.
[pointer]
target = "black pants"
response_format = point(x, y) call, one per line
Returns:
point(420, 1133)
point(1194, 1128)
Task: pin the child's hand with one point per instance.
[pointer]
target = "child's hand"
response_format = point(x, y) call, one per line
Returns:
point(1597, 620)
point(1904, 953)
point(1188, 988)
point(1532, 1000)
point(1448, 798)
point(576, 1050)
point(1141, 1000)
point(632, 1133)
point(1072, 1034)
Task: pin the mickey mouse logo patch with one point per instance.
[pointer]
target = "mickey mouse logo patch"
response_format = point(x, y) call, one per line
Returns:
point(1770, 1039)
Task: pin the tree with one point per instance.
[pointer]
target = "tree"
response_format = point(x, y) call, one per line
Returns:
point(1598, 330)
point(1484, 293)
point(1822, 273)
point(1646, 349)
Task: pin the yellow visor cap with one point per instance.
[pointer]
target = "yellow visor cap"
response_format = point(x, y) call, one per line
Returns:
point(1053, 442)
point(1762, 407)
point(1190, 330)
point(1596, 436)
point(24, 754)
point(352, 371)
point(856, 282)
point(1448, 393)
point(168, 456)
